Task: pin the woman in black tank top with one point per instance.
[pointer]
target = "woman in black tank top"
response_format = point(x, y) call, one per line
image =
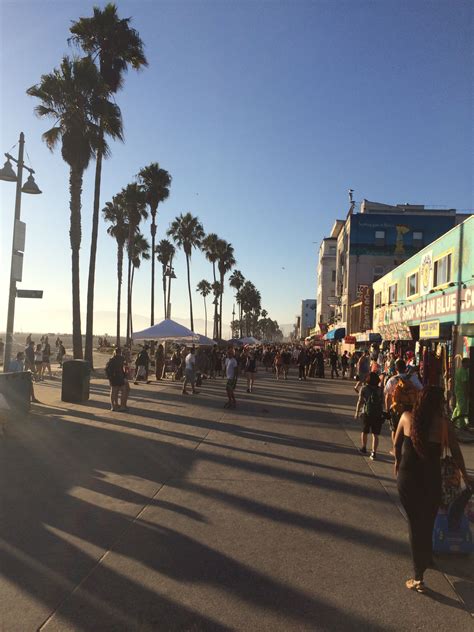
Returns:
point(418, 468)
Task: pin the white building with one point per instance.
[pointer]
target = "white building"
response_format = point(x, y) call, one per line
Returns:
point(326, 289)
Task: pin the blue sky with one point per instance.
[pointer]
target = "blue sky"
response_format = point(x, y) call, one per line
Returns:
point(265, 113)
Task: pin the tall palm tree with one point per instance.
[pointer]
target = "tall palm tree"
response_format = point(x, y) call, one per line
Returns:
point(156, 182)
point(251, 301)
point(210, 247)
point(115, 214)
point(140, 252)
point(165, 252)
point(115, 46)
point(133, 198)
point(187, 233)
point(74, 96)
point(204, 288)
point(236, 281)
point(216, 291)
point(225, 263)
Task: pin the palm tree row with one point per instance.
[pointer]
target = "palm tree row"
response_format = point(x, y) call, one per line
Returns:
point(78, 97)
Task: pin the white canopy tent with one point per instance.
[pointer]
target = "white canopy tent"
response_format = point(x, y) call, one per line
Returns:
point(249, 340)
point(167, 330)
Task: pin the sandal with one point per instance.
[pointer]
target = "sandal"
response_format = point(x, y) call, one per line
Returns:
point(416, 585)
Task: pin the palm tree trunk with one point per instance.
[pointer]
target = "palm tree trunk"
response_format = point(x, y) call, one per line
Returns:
point(205, 317)
point(129, 278)
point(93, 253)
point(163, 278)
point(119, 288)
point(215, 334)
point(189, 292)
point(153, 234)
point(131, 296)
point(220, 305)
point(168, 303)
point(75, 189)
point(240, 319)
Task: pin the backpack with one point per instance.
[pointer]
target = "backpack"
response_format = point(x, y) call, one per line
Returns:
point(404, 396)
point(373, 408)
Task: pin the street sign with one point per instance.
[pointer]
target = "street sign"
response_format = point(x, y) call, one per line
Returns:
point(19, 236)
point(17, 266)
point(29, 293)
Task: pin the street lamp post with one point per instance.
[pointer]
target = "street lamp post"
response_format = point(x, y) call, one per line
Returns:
point(30, 186)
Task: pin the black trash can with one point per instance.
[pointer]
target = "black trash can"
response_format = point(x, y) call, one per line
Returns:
point(16, 388)
point(76, 381)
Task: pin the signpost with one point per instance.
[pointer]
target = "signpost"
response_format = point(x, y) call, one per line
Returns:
point(29, 293)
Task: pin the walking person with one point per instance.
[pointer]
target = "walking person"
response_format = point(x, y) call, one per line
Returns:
point(30, 356)
point(370, 405)
point(334, 362)
point(344, 364)
point(250, 370)
point(119, 386)
point(190, 371)
point(231, 371)
point(302, 364)
point(278, 362)
point(142, 364)
point(363, 370)
point(38, 362)
point(46, 364)
point(159, 362)
point(418, 450)
point(400, 394)
point(286, 362)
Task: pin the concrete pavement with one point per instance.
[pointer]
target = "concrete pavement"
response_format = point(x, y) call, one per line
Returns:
point(180, 515)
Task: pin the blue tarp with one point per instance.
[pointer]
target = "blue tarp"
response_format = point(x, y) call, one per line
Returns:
point(335, 334)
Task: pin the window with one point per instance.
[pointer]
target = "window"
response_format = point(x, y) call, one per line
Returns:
point(378, 299)
point(333, 276)
point(442, 270)
point(412, 284)
point(332, 248)
point(380, 238)
point(417, 235)
point(378, 272)
point(392, 293)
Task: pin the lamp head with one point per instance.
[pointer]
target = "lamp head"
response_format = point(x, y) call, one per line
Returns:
point(30, 186)
point(8, 173)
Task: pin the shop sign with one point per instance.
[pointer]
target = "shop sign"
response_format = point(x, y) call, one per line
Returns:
point(365, 294)
point(429, 329)
point(350, 340)
point(426, 276)
point(442, 305)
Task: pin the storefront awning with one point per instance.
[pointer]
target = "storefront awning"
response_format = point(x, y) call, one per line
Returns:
point(335, 334)
point(369, 337)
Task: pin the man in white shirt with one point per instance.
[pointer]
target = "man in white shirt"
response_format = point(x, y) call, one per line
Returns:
point(231, 371)
point(189, 371)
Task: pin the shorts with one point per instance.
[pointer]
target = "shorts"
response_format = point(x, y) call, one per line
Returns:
point(394, 419)
point(231, 383)
point(371, 425)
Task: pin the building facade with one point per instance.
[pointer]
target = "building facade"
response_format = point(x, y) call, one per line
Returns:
point(326, 279)
point(307, 317)
point(370, 244)
point(428, 302)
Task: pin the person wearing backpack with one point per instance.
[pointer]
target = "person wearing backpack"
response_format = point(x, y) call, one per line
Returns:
point(401, 391)
point(370, 404)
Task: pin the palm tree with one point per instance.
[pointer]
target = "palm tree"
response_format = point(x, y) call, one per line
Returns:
point(209, 246)
point(74, 96)
point(165, 252)
point(115, 45)
point(187, 233)
point(225, 263)
point(140, 252)
point(236, 280)
point(156, 183)
point(133, 198)
point(251, 301)
point(217, 291)
point(115, 213)
point(204, 288)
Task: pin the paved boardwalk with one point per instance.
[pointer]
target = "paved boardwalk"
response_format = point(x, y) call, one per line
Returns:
point(180, 515)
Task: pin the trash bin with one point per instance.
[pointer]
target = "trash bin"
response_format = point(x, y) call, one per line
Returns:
point(76, 381)
point(16, 388)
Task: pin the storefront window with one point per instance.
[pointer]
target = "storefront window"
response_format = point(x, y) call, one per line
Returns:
point(442, 270)
point(392, 293)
